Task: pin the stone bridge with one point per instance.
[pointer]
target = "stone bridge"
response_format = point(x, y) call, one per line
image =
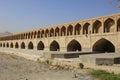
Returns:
point(101, 34)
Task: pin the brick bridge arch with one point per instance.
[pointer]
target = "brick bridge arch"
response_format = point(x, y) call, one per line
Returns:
point(74, 45)
point(54, 46)
point(104, 45)
point(40, 46)
point(86, 33)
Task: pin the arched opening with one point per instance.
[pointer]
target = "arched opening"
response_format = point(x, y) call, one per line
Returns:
point(85, 28)
point(26, 35)
point(35, 33)
point(97, 26)
point(51, 32)
point(7, 45)
point(74, 46)
point(77, 29)
point(3, 44)
point(42, 33)
point(109, 25)
point(38, 34)
point(70, 30)
point(29, 35)
point(22, 45)
point(16, 45)
point(57, 31)
point(0, 44)
point(18, 37)
point(40, 46)
point(21, 36)
point(11, 45)
point(47, 33)
point(118, 25)
point(15, 37)
point(103, 45)
point(30, 45)
point(63, 31)
point(54, 46)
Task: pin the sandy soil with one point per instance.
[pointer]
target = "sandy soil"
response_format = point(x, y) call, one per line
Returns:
point(17, 68)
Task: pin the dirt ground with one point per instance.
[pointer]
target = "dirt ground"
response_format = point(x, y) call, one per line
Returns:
point(13, 67)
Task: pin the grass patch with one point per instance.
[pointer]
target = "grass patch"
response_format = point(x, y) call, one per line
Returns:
point(103, 75)
point(48, 62)
point(81, 65)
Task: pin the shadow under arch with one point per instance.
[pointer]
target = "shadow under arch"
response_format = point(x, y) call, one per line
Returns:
point(109, 25)
point(0, 44)
point(7, 45)
point(40, 46)
point(11, 45)
point(16, 45)
point(74, 46)
point(30, 45)
point(54, 46)
point(3, 44)
point(22, 45)
point(103, 45)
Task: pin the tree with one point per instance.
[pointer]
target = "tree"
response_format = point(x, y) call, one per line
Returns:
point(117, 1)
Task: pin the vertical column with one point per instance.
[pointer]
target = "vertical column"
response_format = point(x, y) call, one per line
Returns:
point(66, 31)
point(73, 30)
point(90, 27)
point(102, 25)
point(40, 35)
point(81, 32)
point(115, 27)
point(46, 48)
point(59, 31)
point(48, 32)
point(46, 35)
point(53, 32)
point(35, 44)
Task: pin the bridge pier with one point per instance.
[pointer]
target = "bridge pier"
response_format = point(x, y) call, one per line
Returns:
point(117, 50)
point(87, 49)
point(63, 49)
point(46, 48)
point(35, 48)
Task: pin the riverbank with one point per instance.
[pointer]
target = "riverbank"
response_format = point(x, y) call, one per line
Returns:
point(13, 67)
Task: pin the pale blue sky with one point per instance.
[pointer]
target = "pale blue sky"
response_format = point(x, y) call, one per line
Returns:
point(24, 15)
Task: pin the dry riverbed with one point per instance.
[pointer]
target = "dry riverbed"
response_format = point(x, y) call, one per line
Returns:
point(13, 67)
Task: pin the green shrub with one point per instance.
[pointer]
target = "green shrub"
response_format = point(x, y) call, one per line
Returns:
point(81, 65)
point(47, 62)
point(103, 75)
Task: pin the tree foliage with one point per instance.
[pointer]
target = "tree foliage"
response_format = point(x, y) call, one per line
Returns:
point(116, 1)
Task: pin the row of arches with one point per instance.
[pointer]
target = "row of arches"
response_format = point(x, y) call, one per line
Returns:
point(54, 46)
point(101, 45)
point(109, 25)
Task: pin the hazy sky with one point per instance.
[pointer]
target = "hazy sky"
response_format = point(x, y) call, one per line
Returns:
point(24, 15)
